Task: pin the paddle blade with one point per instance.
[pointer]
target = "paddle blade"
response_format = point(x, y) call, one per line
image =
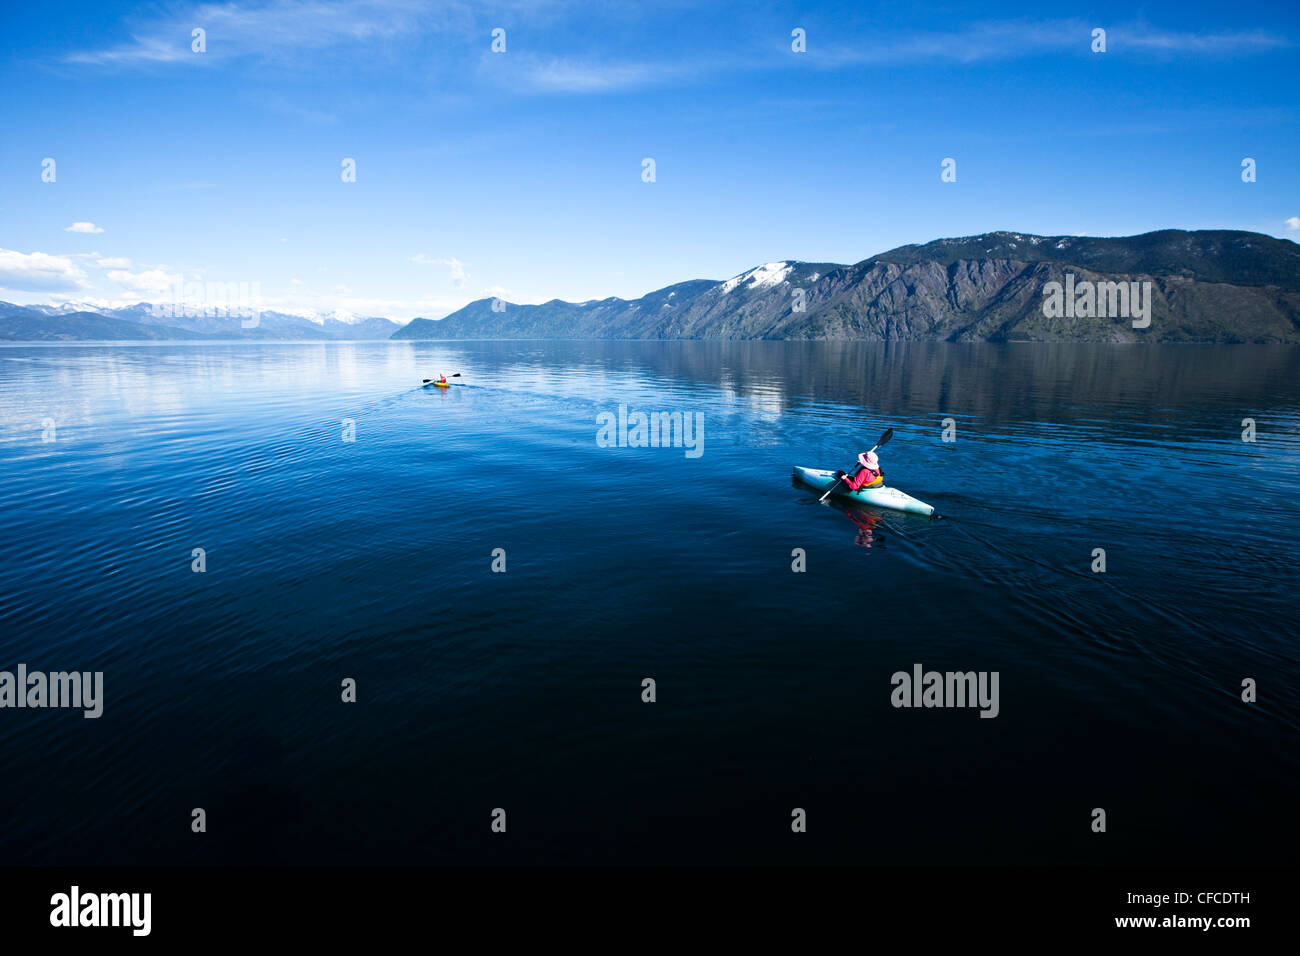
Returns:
point(889, 433)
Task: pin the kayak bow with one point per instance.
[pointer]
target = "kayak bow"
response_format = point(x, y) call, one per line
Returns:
point(879, 497)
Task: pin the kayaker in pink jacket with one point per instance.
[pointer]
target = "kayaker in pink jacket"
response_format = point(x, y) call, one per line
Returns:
point(868, 474)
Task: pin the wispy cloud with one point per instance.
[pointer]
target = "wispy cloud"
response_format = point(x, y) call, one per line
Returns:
point(1293, 223)
point(271, 30)
point(286, 31)
point(141, 50)
point(560, 75)
point(1220, 43)
point(974, 43)
point(1012, 39)
point(458, 274)
point(86, 228)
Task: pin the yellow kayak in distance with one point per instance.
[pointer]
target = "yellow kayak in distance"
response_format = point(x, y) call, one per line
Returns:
point(445, 383)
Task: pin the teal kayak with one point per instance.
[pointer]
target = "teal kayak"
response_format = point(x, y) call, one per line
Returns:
point(881, 497)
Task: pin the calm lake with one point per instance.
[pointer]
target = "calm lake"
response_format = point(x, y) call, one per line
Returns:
point(371, 559)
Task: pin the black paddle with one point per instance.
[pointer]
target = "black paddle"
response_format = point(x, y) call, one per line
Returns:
point(889, 433)
point(453, 375)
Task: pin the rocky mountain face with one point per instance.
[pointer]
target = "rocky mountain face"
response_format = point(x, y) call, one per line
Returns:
point(1206, 286)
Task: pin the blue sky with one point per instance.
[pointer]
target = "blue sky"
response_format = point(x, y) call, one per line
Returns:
point(519, 174)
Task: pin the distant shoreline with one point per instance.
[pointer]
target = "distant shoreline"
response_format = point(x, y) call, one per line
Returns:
point(204, 343)
point(1171, 286)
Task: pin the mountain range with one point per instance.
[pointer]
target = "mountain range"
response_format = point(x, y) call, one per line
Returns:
point(1213, 286)
point(140, 323)
point(1205, 286)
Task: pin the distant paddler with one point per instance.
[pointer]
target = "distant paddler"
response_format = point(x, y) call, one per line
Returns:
point(441, 380)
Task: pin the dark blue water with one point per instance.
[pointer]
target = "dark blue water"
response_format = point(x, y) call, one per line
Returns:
point(372, 560)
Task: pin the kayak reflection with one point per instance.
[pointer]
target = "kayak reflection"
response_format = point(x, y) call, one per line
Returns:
point(867, 526)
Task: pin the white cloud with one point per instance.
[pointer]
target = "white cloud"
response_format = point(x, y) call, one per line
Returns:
point(39, 272)
point(114, 263)
point(458, 274)
point(152, 281)
point(1293, 222)
point(89, 228)
point(295, 282)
